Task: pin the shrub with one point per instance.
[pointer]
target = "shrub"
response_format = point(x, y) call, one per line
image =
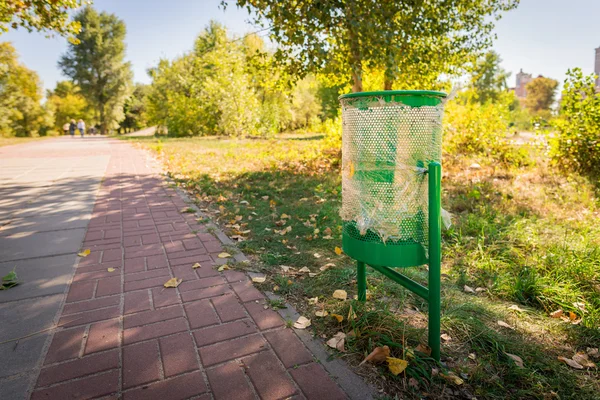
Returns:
point(577, 141)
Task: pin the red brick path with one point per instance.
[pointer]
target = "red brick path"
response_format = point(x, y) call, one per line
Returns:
point(122, 335)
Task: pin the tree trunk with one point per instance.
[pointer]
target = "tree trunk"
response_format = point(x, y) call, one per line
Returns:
point(357, 84)
point(355, 56)
point(387, 84)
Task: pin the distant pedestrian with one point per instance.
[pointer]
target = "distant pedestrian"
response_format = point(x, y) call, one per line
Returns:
point(81, 127)
point(72, 127)
point(66, 128)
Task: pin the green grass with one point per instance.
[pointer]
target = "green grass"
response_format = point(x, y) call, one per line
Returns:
point(528, 236)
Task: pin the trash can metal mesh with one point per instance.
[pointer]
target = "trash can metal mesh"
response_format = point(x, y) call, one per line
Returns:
point(388, 142)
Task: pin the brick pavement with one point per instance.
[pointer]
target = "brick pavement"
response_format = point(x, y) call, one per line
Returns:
point(123, 335)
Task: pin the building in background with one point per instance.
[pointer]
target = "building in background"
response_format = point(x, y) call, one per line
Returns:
point(523, 79)
point(597, 68)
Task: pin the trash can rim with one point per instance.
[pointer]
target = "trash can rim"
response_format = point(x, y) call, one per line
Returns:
point(394, 93)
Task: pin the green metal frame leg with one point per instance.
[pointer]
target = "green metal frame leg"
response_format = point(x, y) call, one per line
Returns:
point(361, 278)
point(435, 258)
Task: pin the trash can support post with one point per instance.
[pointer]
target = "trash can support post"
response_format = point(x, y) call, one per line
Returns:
point(361, 280)
point(435, 257)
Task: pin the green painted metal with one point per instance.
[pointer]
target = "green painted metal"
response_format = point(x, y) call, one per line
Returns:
point(435, 257)
point(408, 254)
point(389, 93)
point(408, 283)
point(361, 279)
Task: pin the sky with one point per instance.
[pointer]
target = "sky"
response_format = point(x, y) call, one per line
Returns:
point(543, 37)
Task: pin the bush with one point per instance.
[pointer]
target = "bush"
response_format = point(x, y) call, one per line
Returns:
point(475, 129)
point(577, 141)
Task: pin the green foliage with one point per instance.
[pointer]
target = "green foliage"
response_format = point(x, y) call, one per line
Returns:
point(21, 113)
point(577, 143)
point(405, 40)
point(40, 15)
point(228, 87)
point(540, 94)
point(96, 64)
point(472, 128)
point(488, 78)
point(134, 109)
point(67, 103)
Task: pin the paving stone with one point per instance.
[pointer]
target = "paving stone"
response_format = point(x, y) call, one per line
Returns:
point(178, 354)
point(228, 308)
point(223, 332)
point(103, 336)
point(269, 377)
point(159, 329)
point(140, 364)
point(136, 302)
point(316, 384)
point(228, 381)
point(79, 368)
point(264, 318)
point(224, 351)
point(288, 347)
point(178, 388)
point(87, 388)
point(201, 314)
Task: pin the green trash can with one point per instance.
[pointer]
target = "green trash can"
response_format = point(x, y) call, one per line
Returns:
point(391, 186)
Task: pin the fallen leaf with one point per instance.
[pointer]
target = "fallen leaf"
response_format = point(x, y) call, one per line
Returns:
point(378, 355)
point(572, 316)
point(172, 283)
point(84, 253)
point(338, 317)
point(285, 216)
point(518, 360)
point(285, 268)
point(265, 197)
point(304, 270)
point(327, 231)
point(224, 255)
point(423, 348)
point(326, 266)
point(445, 337)
point(556, 314)
point(480, 289)
point(321, 313)
point(570, 363)
point(338, 251)
point(195, 266)
point(472, 356)
point(516, 308)
point(110, 269)
point(452, 378)
point(505, 325)
point(413, 383)
point(302, 323)
point(275, 288)
point(259, 279)
point(9, 280)
point(583, 359)
point(337, 341)
point(223, 268)
point(272, 203)
point(312, 274)
point(468, 289)
point(592, 352)
point(396, 365)
point(317, 255)
point(340, 294)
point(351, 314)
point(313, 300)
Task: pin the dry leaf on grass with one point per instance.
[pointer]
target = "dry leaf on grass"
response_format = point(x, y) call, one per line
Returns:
point(480, 289)
point(224, 255)
point(317, 255)
point(445, 337)
point(313, 300)
point(84, 253)
point(452, 378)
point(259, 279)
point(304, 270)
point(327, 231)
point(413, 383)
point(223, 268)
point(337, 341)
point(195, 266)
point(340, 294)
point(423, 348)
point(351, 314)
point(285, 268)
point(469, 289)
point(378, 355)
point(338, 317)
point(172, 283)
point(556, 314)
point(396, 365)
point(583, 359)
point(302, 323)
point(110, 269)
point(570, 363)
point(472, 356)
point(338, 251)
point(505, 325)
point(312, 274)
point(592, 352)
point(518, 360)
point(516, 308)
point(321, 313)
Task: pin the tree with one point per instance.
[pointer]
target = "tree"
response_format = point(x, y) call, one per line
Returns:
point(577, 143)
point(40, 15)
point(488, 78)
point(541, 92)
point(134, 109)
point(97, 65)
point(21, 113)
point(413, 39)
point(67, 103)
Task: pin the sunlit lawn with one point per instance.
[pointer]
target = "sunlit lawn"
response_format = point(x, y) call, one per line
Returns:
point(528, 237)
